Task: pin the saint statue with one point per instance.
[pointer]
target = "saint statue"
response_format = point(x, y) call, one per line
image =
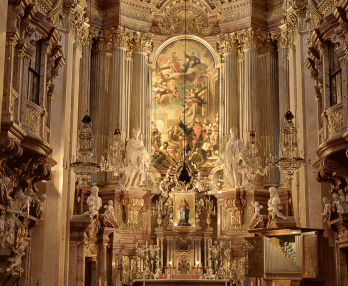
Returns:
point(274, 204)
point(233, 154)
point(184, 212)
point(135, 162)
point(94, 203)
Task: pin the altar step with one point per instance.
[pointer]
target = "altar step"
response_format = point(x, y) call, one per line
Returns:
point(181, 282)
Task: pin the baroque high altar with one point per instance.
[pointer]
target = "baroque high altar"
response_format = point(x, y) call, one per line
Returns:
point(201, 173)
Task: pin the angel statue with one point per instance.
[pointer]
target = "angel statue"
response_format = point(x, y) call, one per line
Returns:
point(135, 162)
point(233, 154)
point(258, 208)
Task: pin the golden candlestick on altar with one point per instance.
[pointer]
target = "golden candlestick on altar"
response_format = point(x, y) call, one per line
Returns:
point(160, 212)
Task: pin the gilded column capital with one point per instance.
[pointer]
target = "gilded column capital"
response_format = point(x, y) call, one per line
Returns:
point(249, 38)
point(121, 37)
point(227, 43)
point(142, 43)
point(103, 42)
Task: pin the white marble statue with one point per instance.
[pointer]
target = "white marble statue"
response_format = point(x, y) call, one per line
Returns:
point(258, 208)
point(135, 162)
point(341, 204)
point(94, 202)
point(274, 203)
point(17, 259)
point(110, 209)
point(233, 153)
point(17, 202)
point(40, 211)
point(327, 208)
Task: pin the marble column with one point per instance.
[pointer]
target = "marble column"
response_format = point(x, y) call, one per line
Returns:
point(268, 85)
point(252, 113)
point(80, 268)
point(100, 98)
point(138, 106)
point(283, 71)
point(102, 264)
point(3, 20)
point(229, 78)
point(117, 108)
point(85, 84)
point(284, 103)
point(128, 90)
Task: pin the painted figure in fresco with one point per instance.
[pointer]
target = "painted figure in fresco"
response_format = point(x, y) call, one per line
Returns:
point(192, 62)
point(184, 212)
point(200, 136)
point(185, 140)
point(173, 62)
point(196, 97)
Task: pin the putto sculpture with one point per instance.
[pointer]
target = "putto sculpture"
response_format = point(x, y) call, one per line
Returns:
point(274, 204)
point(135, 162)
point(109, 209)
point(327, 209)
point(94, 203)
point(258, 208)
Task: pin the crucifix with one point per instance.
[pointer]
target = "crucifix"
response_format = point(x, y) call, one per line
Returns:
point(247, 247)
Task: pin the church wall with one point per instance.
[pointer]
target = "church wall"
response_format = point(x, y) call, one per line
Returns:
point(50, 250)
point(3, 20)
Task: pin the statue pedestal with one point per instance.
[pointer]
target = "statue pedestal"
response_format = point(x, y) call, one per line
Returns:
point(281, 223)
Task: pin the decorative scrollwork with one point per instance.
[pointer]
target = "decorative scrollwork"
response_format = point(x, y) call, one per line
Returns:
point(335, 122)
point(32, 120)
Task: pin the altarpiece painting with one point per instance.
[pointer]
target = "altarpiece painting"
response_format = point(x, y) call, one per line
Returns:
point(185, 104)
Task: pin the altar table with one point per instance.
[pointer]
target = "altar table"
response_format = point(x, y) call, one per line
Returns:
point(181, 282)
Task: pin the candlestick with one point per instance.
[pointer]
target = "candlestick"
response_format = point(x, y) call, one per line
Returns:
point(230, 244)
point(146, 244)
point(136, 245)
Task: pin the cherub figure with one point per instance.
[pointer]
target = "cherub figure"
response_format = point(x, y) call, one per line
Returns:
point(110, 209)
point(6, 182)
point(327, 209)
point(40, 211)
point(340, 202)
point(28, 200)
point(17, 259)
point(258, 208)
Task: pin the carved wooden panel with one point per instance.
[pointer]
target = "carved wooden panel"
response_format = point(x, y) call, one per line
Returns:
point(310, 255)
point(256, 257)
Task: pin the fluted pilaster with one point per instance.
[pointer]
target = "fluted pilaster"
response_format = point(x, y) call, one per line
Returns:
point(101, 96)
point(268, 85)
point(142, 48)
point(283, 70)
point(252, 115)
point(229, 77)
